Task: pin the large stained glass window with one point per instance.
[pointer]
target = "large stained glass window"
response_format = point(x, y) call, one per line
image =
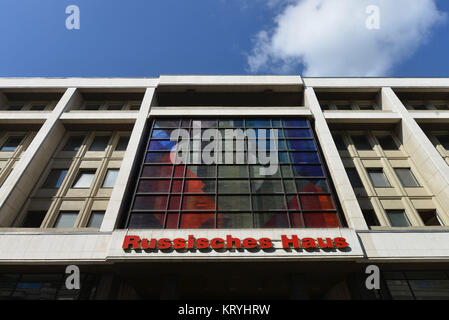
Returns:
point(232, 191)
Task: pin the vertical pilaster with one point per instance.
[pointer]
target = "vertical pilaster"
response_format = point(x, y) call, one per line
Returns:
point(346, 195)
point(116, 202)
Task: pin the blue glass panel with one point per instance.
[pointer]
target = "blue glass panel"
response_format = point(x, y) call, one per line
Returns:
point(298, 133)
point(282, 145)
point(162, 145)
point(312, 186)
point(257, 123)
point(308, 171)
point(283, 157)
point(276, 123)
point(161, 134)
point(301, 145)
point(158, 157)
point(304, 157)
point(295, 123)
point(230, 123)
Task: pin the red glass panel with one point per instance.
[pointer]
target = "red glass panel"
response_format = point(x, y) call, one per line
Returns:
point(197, 220)
point(176, 186)
point(150, 203)
point(198, 203)
point(292, 202)
point(296, 220)
point(317, 203)
point(172, 220)
point(153, 186)
point(157, 171)
point(321, 220)
point(179, 171)
point(174, 203)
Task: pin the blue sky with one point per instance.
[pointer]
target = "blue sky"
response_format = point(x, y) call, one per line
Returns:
point(146, 38)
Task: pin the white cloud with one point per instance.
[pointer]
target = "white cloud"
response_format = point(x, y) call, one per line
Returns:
point(330, 37)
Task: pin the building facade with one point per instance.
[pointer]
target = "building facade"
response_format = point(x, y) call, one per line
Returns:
point(224, 187)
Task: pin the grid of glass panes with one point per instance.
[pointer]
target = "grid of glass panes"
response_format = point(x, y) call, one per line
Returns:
point(234, 195)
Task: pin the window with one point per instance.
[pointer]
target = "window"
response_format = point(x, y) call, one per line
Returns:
point(12, 143)
point(55, 178)
point(122, 143)
point(115, 107)
point(15, 108)
point(420, 107)
point(33, 219)
point(361, 143)
point(38, 107)
point(370, 218)
point(366, 107)
point(339, 142)
point(84, 179)
point(100, 143)
point(406, 177)
point(378, 178)
point(354, 178)
point(398, 218)
point(429, 217)
point(387, 143)
point(66, 219)
point(73, 143)
point(110, 178)
point(92, 107)
point(95, 220)
point(134, 107)
point(233, 195)
point(344, 107)
point(444, 140)
point(441, 107)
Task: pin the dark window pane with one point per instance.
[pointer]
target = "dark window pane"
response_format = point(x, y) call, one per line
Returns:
point(233, 186)
point(308, 171)
point(66, 219)
point(271, 220)
point(115, 107)
point(378, 178)
point(296, 220)
point(339, 142)
point(122, 143)
point(297, 133)
point(230, 123)
point(15, 108)
point(429, 217)
point(366, 107)
point(153, 186)
point(167, 123)
point(158, 157)
point(312, 186)
point(398, 218)
point(241, 203)
point(304, 157)
point(406, 177)
point(96, 218)
point(354, 178)
point(301, 145)
point(55, 178)
point(257, 123)
point(234, 220)
point(73, 143)
point(33, 219)
point(201, 171)
point(295, 123)
point(444, 140)
point(266, 186)
point(268, 202)
point(39, 107)
point(361, 143)
point(12, 143)
point(134, 107)
point(387, 143)
point(146, 221)
point(232, 171)
point(344, 107)
point(370, 218)
point(92, 107)
point(420, 107)
point(99, 143)
point(84, 179)
point(442, 107)
point(157, 171)
point(150, 203)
